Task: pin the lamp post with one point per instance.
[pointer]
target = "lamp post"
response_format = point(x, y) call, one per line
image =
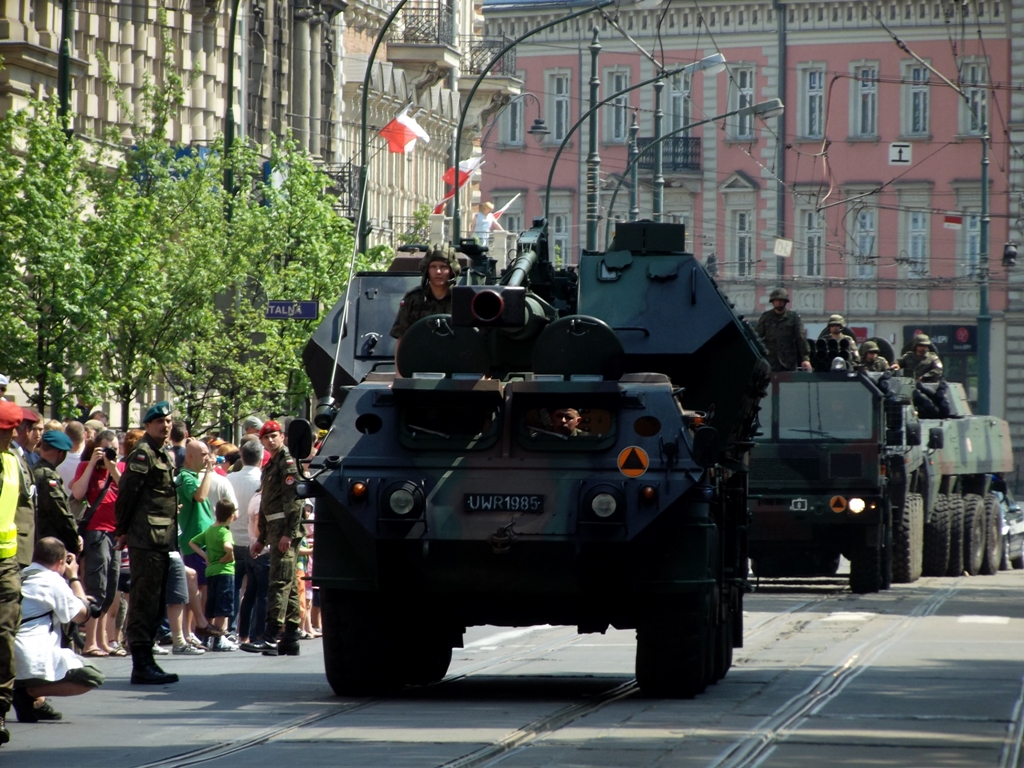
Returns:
point(64, 66)
point(659, 156)
point(593, 159)
point(984, 317)
point(764, 110)
point(457, 216)
point(712, 64)
point(634, 173)
point(229, 117)
point(538, 130)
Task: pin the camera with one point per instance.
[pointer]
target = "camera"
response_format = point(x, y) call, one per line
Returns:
point(221, 460)
point(95, 607)
point(110, 453)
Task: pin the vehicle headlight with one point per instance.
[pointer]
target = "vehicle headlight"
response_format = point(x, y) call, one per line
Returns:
point(401, 502)
point(604, 505)
point(856, 506)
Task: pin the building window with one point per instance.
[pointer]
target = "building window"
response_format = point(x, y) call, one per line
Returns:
point(814, 103)
point(917, 244)
point(814, 255)
point(916, 100)
point(743, 243)
point(866, 107)
point(618, 126)
point(742, 97)
point(971, 245)
point(974, 77)
point(679, 104)
point(864, 244)
point(512, 123)
point(559, 239)
point(558, 93)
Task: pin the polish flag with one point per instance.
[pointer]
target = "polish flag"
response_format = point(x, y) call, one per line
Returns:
point(402, 132)
point(497, 213)
point(466, 168)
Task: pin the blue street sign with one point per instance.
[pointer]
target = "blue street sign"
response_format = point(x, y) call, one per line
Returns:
point(293, 310)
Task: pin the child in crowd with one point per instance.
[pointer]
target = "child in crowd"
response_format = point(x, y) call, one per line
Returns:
point(220, 571)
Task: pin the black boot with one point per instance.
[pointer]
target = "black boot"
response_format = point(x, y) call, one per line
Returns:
point(288, 645)
point(145, 671)
point(24, 706)
point(5, 735)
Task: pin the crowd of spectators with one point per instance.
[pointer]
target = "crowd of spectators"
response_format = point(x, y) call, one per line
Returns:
point(217, 588)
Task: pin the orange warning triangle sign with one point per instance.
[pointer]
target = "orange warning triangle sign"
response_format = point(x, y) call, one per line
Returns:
point(838, 504)
point(633, 461)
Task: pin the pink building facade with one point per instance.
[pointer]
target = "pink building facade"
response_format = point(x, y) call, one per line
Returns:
point(873, 174)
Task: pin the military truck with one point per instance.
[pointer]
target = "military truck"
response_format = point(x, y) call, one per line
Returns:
point(844, 465)
point(449, 493)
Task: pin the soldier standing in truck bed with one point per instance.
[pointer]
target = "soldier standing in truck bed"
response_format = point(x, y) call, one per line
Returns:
point(921, 364)
point(782, 332)
point(872, 359)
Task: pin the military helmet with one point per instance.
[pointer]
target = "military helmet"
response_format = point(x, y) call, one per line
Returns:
point(922, 338)
point(778, 293)
point(443, 253)
point(869, 346)
point(837, 320)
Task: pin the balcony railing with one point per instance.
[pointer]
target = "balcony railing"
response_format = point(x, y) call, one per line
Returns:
point(481, 50)
point(345, 185)
point(679, 153)
point(425, 23)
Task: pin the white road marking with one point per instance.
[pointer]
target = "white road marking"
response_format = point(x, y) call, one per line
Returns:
point(849, 616)
point(983, 620)
point(503, 637)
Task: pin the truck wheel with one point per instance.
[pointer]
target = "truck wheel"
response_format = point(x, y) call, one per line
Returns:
point(1018, 561)
point(671, 653)
point(723, 648)
point(428, 663)
point(916, 535)
point(993, 537)
point(956, 535)
point(903, 542)
point(1004, 564)
point(866, 570)
point(974, 533)
point(935, 560)
point(357, 649)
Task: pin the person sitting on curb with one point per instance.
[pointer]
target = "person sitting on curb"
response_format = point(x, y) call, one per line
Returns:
point(47, 601)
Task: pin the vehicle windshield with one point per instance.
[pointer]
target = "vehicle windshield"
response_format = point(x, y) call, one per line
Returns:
point(564, 425)
point(445, 423)
point(825, 410)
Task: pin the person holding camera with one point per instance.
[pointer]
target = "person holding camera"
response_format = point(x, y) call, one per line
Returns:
point(95, 483)
point(53, 513)
point(51, 595)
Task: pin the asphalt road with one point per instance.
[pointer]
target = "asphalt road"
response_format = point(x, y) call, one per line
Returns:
point(928, 674)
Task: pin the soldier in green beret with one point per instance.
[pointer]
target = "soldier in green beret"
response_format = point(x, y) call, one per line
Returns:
point(147, 521)
point(53, 513)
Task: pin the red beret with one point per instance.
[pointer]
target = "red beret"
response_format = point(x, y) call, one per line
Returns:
point(10, 415)
point(271, 426)
point(27, 414)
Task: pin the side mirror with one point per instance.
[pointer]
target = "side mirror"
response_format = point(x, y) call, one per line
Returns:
point(914, 434)
point(936, 438)
point(705, 446)
point(300, 439)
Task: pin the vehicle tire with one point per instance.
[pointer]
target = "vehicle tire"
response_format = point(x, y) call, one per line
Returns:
point(935, 560)
point(974, 533)
point(886, 554)
point(917, 536)
point(1017, 562)
point(723, 648)
point(671, 653)
point(866, 569)
point(1004, 564)
point(427, 664)
point(903, 542)
point(992, 561)
point(956, 535)
point(358, 657)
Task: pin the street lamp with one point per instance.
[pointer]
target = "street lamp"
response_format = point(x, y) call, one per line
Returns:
point(457, 217)
point(712, 65)
point(764, 110)
point(229, 118)
point(538, 130)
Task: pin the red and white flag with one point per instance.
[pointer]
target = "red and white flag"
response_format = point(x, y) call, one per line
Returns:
point(497, 213)
point(953, 221)
point(402, 132)
point(466, 168)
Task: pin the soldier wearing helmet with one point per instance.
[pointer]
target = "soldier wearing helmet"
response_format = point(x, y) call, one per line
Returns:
point(782, 332)
point(872, 359)
point(440, 268)
point(921, 363)
point(836, 329)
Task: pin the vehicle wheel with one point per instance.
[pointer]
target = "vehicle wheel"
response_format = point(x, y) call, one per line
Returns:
point(956, 535)
point(886, 554)
point(917, 535)
point(1004, 564)
point(1018, 561)
point(935, 560)
point(903, 542)
point(358, 657)
point(993, 537)
point(671, 653)
point(429, 664)
point(974, 533)
point(866, 570)
point(723, 648)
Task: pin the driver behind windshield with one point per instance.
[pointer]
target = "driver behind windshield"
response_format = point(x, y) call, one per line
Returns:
point(566, 421)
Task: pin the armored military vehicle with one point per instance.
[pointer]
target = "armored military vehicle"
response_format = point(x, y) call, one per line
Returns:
point(567, 447)
point(845, 465)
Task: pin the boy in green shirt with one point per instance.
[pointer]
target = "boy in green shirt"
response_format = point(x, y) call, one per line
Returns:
point(219, 555)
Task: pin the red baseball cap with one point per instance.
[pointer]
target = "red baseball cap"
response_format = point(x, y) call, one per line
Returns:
point(10, 415)
point(271, 426)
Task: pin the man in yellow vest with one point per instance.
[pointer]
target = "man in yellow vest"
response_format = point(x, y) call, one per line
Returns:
point(11, 487)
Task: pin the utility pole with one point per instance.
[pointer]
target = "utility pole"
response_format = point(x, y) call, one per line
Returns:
point(984, 318)
point(634, 173)
point(64, 66)
point(659, 156)
point(593, 159)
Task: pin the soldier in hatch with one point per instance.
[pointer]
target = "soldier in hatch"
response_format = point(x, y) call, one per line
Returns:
point(921, 364)
point(872, 359)
point(782, 332)
point(440, 268)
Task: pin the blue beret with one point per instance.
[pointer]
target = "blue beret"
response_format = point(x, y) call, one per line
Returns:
point(157, 411)
point(57, 440)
